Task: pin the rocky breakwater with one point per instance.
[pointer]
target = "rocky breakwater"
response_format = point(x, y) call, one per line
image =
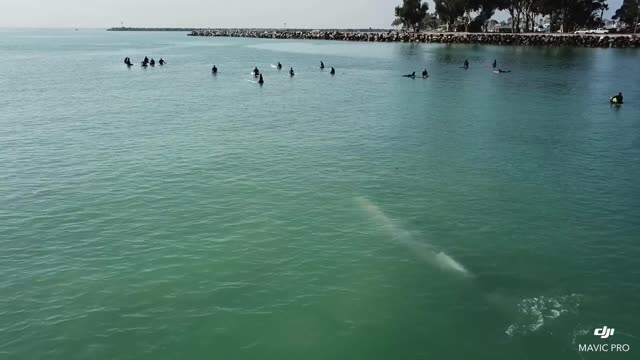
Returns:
point(553, 40)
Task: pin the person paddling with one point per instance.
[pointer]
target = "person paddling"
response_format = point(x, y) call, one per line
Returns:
point(412, 75)
point(425, 74)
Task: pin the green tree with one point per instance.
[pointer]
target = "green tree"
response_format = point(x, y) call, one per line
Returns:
point(411, 14)
point(450, 10)
point(603, 6)
point(484, 10)
point(629, 13)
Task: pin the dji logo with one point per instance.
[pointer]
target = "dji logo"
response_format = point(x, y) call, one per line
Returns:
point(604, 332)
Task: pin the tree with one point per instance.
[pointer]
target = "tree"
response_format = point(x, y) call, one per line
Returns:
point(483, 10)
point(629, 13)
point(603, 6)
point(450, 10)
point(411, 14)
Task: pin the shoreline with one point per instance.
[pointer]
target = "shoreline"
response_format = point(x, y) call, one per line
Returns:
point(504, 39)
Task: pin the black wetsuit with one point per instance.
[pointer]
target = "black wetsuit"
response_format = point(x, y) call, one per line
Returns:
point(279, 66)
point(466, 64)
point(214, 69)
point(256, 72)
point(261, 81)
point(152, 63)
point(425, 74)
point(162, 62)
point(617, 99)
point(321, 65)
point(291, 73)
point(412, 75)
point(333, 71)
point(495, 64)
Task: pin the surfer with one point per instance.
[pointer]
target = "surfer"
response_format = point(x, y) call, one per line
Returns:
point(214, 70)
point(143, 64)
point(162, 62)
point(500, 71)
point(321, 65)
point(152, 62)
point(256, 72)
point(333, 71)
point(261, 81)
point(617, 99)
point(425, 74)
point(291, 73)
point(279, 66)
point(495, 63)
point(466, 64)
point(412, 75)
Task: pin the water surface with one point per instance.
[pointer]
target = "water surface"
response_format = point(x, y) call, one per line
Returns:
point(165, 213)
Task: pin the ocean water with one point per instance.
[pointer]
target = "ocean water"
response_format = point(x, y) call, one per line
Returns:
point(166, 213)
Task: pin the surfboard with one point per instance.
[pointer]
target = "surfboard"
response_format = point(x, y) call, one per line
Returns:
point(274, 66)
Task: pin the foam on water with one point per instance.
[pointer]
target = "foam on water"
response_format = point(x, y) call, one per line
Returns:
point(534, 313)
point(424, 251)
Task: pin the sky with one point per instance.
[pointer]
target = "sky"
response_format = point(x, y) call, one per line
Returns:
point(204, 13)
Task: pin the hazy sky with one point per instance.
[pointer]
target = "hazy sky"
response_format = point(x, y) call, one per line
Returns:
point(203, 13)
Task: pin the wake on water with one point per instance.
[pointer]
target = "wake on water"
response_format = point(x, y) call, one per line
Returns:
point(425, 251)
point(531, 314)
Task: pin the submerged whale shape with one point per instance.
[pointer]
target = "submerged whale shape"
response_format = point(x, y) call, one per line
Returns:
point(398, 235)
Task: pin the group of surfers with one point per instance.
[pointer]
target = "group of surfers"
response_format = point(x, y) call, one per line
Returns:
point(144, 62)
point(257, 74)
point(425, 73)
point(614, 100)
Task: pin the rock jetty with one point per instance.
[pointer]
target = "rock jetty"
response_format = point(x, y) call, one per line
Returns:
point(552, 40)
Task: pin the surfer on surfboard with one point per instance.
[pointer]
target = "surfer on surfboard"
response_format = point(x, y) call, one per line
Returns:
point(617, 99)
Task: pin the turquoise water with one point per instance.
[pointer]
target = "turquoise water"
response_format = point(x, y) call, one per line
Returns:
point(164, 213)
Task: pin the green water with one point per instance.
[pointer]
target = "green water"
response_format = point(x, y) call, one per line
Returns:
point(165, 213)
